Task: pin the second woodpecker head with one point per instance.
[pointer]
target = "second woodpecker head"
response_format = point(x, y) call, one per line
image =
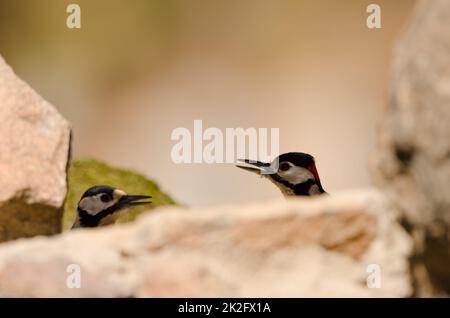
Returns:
point(294, 173)
point(100, 205)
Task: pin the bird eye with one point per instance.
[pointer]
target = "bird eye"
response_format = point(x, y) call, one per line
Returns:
point(105, 198)
point(284, 166)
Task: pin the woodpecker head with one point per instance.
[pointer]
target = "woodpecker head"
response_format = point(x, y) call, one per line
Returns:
point(100, 205)
point(294, 173)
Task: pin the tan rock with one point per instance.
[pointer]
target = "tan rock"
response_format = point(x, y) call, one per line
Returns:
point(34, 152)
point(296, 248)
point(413, 159)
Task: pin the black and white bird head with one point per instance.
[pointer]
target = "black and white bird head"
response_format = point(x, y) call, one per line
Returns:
point(294, 173)
point(100, 205)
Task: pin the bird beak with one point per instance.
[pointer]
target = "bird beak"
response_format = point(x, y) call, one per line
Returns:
point(258, 167)
point(132, 200)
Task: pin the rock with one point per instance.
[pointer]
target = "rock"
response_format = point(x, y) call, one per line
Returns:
point(301, 247)
point(413, 159)
point(35, 144)
point(85, 173)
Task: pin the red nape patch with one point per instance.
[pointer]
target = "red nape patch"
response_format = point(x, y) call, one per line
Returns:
point(312, 168)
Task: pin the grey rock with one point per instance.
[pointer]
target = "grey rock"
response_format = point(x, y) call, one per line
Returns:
point(413, 159)
point(34, 153)
point(298, 248)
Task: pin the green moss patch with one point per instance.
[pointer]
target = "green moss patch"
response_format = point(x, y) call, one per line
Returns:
point(84, 174)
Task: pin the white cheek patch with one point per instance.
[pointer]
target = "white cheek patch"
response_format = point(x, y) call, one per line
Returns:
point(94, 204)
point(117, 194)
point(296, 175)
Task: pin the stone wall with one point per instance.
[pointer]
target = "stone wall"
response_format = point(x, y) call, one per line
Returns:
point(321, 247)
point(395, 237)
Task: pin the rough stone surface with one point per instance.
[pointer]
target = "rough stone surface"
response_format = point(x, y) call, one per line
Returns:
point(413, 159)
point(305, 247)
point(34, 151)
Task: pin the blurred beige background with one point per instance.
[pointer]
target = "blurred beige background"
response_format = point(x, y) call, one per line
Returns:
point(138, 69)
